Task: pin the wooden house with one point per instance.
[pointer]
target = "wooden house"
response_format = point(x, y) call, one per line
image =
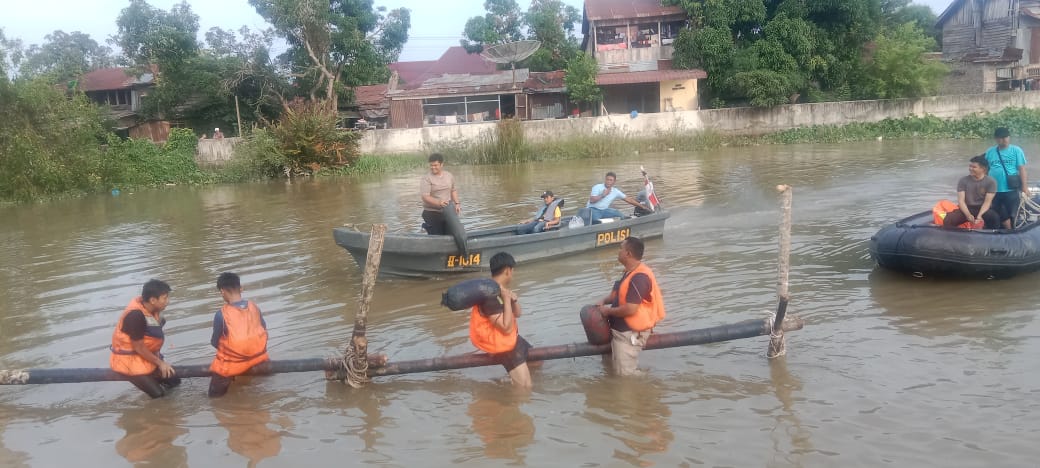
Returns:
point(991, 45)
point(631, 41)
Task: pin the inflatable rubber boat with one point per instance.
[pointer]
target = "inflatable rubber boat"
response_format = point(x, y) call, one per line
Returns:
point(919, 246)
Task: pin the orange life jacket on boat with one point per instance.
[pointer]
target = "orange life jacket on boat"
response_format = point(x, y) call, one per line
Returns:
point(940, 210)
point(651, 309)
point(487, 337)
point(244, 342)
point(124, 359)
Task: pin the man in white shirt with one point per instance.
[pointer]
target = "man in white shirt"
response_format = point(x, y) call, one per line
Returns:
point(603, 195)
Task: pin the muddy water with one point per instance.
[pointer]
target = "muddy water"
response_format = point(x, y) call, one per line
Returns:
point(889, 370)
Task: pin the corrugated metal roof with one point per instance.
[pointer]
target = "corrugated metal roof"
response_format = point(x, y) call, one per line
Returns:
point(462, 84)
point(648, 76)
point(622, 9)
point(104, 79)
point(545, 81)
point(371, 97)
point(454, 60)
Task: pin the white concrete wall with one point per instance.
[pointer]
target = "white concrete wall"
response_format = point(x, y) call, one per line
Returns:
point(213, 152)
point(735, 121)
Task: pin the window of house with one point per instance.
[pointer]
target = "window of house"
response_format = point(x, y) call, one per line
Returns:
point(462, 109)
point(611, 35)
point(646, 36)
point(670, 31)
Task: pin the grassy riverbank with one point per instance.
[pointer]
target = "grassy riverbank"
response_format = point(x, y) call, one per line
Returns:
point(92, 168)
point(515, 149)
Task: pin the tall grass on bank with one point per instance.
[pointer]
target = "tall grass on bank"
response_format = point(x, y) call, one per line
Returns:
point(507, 144)
point(378, 164)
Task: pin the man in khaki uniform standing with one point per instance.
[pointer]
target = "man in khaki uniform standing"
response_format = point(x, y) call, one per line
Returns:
point(437, 188)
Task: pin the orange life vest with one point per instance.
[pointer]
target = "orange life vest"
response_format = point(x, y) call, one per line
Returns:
point(124, 359)
point(651, 309)
point(244, 342)
point(487, 337)
point(940, 210)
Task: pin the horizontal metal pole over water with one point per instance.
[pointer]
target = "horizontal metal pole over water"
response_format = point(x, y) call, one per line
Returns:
point(378, 366)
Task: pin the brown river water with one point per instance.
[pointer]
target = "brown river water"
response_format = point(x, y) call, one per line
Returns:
point(889, 370)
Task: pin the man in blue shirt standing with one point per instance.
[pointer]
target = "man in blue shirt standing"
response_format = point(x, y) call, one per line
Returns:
point(1007, 165)
point(603, 195)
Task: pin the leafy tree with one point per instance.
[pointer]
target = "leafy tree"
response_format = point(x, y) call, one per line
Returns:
point(337, 42)
point(552, 23)
point(49, 142)
point(709, 48)
point(763, 88)
point(922, 16)
point(149, 35)
point(898, 68)
point(64, 57)
point(580, 79)
point(10, 56)
point(502, 23)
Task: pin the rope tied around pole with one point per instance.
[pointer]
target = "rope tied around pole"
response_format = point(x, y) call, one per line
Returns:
point(777, 339)
point(349, 369)
point(353, 365)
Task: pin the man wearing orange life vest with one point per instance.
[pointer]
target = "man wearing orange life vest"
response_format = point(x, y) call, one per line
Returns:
point(633, 307)
point(239, 334)
point(137, 339)
point(493, 326)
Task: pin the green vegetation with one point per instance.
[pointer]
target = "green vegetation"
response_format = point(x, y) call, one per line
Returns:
point(52, 145)
point(550, 22)
point(580, 79)
point(1021, 121)
point(766, 53)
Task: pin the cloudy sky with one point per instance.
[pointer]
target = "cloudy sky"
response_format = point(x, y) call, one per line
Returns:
point(436, 25)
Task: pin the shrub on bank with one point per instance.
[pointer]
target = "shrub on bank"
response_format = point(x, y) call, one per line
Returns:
point(141, 163)
point(258, 156)
point(49, 143)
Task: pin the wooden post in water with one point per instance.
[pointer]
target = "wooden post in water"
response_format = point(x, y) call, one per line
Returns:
point(238, 117)
point(777, 342)
point(357, 350)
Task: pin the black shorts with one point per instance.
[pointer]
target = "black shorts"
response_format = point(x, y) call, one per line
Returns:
point(511, 359)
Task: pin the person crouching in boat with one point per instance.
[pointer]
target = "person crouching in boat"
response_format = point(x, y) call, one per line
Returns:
point(493, 325)
point(975, 194)
point(239, 334)
point(137, 339)
point(548, 216)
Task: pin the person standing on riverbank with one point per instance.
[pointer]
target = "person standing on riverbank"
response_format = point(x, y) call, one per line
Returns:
point(138, 338)
point(603, 195)
point(633, 307)
point(239, 334)
point(437, 188)
point(493, 325)
point(1007, 165)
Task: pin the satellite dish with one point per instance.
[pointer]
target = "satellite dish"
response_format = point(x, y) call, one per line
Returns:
point(510, 52)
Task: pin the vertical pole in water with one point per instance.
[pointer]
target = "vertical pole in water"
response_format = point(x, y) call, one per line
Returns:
point(357, 349)
point(777, 342)
point(238, 116)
